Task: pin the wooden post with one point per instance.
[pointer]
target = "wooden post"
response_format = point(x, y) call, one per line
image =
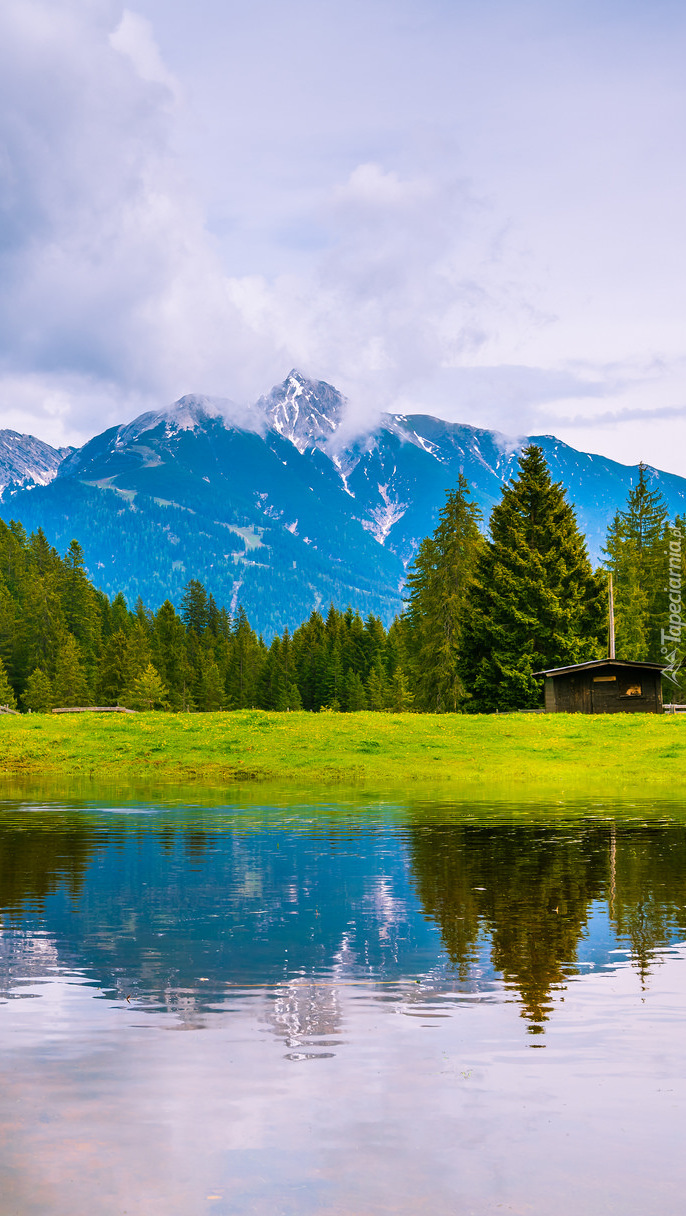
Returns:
point(611, 626)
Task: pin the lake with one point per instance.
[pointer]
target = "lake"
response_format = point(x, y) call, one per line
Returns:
point(378, 1005)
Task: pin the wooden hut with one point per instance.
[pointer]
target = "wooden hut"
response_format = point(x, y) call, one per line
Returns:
point(604, 686)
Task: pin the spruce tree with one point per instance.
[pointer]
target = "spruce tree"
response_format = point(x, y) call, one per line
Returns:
point(535, 601)
point(401, 694)
point(355, 698)
point(170, 658)
point(310, 661)
point(378, 690)
point(147, 691)
point(70, 684)
point(7, 697)
point(636, 553)
point(113, 674)
point(438, 582)
point(38, 695)
point(211, 695)
point(8, 625)
point(245, 663)
point(194, 606)
point(78, 599)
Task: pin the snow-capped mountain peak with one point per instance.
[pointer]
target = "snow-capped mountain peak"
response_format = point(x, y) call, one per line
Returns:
point(186, 414)
point(307, 412)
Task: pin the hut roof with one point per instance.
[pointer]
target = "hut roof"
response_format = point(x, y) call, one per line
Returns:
point(562, 671)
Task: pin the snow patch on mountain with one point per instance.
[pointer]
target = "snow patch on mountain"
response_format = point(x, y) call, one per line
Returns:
point(397, 424)
point(382, 519)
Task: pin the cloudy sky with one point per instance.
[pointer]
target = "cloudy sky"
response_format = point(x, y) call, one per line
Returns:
point(473, 208)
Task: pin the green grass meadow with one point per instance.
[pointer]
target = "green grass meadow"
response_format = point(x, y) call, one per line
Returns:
point(510, 754)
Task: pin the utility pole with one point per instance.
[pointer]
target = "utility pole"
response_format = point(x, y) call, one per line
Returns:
point(611, 626)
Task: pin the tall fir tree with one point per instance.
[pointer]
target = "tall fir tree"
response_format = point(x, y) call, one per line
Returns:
point(70, 683)
point(535, 601)
point(439, 582)
point(636, 553)
point(79, 600)
point(194, 606)
point(7, 697)
point(246, 659)
point(38, 694)
point(170, 658)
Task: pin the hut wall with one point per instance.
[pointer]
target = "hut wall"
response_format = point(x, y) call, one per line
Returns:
point(631, 692)
point(573, 693)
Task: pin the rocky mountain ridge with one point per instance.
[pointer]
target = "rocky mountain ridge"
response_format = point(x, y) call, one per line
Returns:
point(26, 461)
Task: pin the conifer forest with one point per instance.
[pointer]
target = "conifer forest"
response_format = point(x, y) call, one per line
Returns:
point(484, 611)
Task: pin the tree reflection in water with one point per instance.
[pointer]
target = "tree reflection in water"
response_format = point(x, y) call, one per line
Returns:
point(530, 889)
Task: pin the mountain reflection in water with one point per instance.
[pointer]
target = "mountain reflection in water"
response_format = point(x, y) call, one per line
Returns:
point(177, 915)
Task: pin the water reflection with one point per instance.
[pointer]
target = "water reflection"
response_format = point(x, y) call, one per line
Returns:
point(177, 916)
point(528, 888)
point(355, 976)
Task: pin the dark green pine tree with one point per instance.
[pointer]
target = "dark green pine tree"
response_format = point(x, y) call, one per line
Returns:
point(354, 696)
point(7, 697)
point(170, 658)
point(245, 664)
point(113, 672)
point(194, 606)
point(438, 583)
point(210, 691)
point(8, 625)
point(378, 691)
point(70, 684)
point(277, 687)
point(310, 660)
point(335, 675)
point(637, 554)
point(535, 601)
point(38, 695)
point(78, 598)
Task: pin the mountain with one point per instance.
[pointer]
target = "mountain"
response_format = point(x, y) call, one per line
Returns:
point(272, 507)
point(184, 493)
point(306, 412)
point(27, 462)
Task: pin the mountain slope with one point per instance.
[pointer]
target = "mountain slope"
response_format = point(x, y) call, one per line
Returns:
point(184, 494)
point(26, 462)
point(271, 508)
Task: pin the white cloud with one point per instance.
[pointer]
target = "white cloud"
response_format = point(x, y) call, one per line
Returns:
point(109, 277)
point(420, 204)
point(134, 37)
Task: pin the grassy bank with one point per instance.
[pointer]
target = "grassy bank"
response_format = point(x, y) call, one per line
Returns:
point(565, 753)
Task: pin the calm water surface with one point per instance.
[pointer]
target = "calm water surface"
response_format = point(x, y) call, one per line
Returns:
point(342, 1009)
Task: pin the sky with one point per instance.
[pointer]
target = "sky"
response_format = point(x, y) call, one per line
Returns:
point(470, 208)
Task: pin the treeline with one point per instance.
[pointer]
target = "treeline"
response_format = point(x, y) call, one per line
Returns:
point(63, 643)
point(484, 614)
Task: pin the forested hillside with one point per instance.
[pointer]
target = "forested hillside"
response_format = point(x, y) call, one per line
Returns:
point(483, 616)
point(63, 643)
